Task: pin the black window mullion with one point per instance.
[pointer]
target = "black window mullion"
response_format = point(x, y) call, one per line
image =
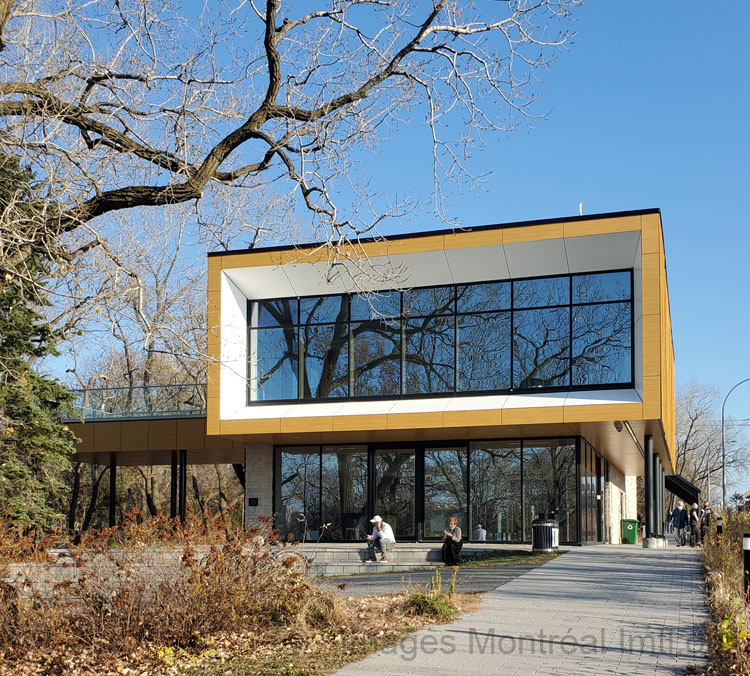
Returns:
point(402, 357)
point(570, 331)
point(512, 333)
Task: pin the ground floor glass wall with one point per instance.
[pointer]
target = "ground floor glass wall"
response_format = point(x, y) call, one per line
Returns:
point(495, 488)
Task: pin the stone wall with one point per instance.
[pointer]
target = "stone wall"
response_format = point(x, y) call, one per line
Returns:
point(258, 482)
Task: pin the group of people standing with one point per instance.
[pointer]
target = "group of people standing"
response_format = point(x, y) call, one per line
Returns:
point(689, 526)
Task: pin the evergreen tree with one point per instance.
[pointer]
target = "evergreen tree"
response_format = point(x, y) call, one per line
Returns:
point(35, 445)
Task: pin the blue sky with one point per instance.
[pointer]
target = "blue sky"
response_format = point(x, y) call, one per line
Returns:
point(648, 108)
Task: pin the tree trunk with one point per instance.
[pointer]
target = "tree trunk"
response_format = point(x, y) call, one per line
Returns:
point(198, 498)
point(95, 481)
point(74, 495)
point(239, 470)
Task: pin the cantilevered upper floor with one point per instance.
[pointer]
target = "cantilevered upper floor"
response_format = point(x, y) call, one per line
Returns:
point(542, 328)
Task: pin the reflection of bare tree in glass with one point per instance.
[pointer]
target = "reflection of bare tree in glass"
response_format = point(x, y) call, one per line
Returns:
point(549, 484)
point(542, 340)
point(429, 334)
point(376, 357)
point(429, 359)
point(284, 314)
point(395, 487)
point(300, 486)
point(445, 481)
point(496, 490)
point(345, 493)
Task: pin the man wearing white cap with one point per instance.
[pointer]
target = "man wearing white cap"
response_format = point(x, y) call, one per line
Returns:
point(382, 538)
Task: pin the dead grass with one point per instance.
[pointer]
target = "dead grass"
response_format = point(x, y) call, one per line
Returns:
point(155, 598)
point(728, 630)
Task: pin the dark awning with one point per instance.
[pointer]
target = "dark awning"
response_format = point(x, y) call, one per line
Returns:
point(682, 488)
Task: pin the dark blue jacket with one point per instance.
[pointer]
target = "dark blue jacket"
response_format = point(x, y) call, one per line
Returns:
point(680, 518)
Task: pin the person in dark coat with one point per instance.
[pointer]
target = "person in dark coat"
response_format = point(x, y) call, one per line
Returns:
point(452, 543)
point(680, 524)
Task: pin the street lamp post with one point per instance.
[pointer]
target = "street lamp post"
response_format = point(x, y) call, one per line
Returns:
point(723, 451)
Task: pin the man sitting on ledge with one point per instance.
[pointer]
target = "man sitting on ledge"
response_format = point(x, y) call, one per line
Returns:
point(382, 538)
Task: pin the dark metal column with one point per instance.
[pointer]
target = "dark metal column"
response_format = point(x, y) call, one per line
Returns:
point(183, 484)
point(658, 515)
point(173, 489)
point(662, 513)
point(112, 488)
point(648, 485)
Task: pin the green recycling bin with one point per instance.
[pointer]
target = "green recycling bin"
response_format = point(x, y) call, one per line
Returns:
point(629, 531)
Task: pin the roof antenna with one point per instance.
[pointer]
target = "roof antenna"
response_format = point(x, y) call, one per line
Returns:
point(580, 208)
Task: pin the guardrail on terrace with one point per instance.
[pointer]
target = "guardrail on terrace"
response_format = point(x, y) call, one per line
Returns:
point(153, 401)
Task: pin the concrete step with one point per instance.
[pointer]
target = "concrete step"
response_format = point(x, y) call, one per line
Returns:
point(406, 553)
point(344, 568)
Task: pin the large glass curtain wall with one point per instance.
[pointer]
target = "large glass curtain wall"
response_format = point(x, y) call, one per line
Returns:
point(494, 488)
point(571, 331)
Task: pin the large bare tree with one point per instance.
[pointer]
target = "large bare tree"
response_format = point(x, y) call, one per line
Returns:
point(698, 441)
point(135, 103)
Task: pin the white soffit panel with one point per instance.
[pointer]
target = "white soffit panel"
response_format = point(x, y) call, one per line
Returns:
point(535, 259)
point(602, 397)
point(602, 252)
point(311, 279)
point(534, 400)
point(479, 403)
point(478, 263)
point(261, 282)
point(429, 268)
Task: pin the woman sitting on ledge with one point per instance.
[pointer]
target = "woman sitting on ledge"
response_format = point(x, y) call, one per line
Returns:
point(452, 543)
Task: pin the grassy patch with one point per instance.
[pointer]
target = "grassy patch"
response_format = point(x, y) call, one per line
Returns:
point(508, 557)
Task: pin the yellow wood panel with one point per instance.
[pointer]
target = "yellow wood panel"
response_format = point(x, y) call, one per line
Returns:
point(397, 247)
point(348, 423)
point(162, 435)
point(323, 423)
point(469, 239)
point(471, 418)
point(651, 292)
point(601, 226)
point(85, 434)
point(399, 421)
point(191, 433)
point(530, 431)
point(532, 415)
point(599, 412)
point(214, 275)
point(107, 436)
point(251, 427)
point(652, 345)
point(212, 409)
point(134, 435)
point(251, 259)
point(651, 239)
point(651, 397)
point(533, 233)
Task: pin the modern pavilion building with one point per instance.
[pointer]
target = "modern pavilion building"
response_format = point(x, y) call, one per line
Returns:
point(495, 373)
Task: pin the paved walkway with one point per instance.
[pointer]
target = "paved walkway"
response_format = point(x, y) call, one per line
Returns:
point(610, 609)
point(469, 580)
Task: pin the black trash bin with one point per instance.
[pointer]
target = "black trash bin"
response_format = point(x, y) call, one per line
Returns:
point(545, 535)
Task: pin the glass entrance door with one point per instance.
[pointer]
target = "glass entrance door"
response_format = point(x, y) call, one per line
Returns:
point(395, 490)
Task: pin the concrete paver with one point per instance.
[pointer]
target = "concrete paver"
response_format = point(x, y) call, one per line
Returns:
point(609, 609)
point(471, 580)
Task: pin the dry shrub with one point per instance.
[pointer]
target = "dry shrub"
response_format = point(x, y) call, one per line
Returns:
point(728, 631)
point(155, 582)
